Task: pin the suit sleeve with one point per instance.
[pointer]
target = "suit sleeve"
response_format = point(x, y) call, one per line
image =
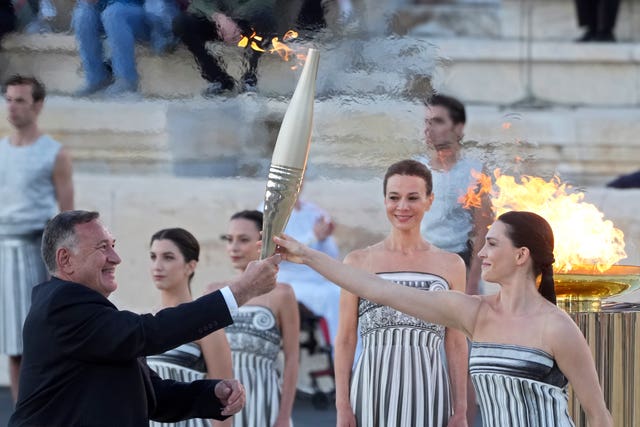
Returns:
point(177, 401)
point(90, 328)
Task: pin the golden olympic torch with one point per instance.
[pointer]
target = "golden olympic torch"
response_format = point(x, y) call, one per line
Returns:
point(289, 156)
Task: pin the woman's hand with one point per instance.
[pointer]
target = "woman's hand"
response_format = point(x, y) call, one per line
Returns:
point(282, 422)
point(458, 420)
point(346, 419)
point(290, 249)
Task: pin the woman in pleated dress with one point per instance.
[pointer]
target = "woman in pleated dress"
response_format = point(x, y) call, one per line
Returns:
point(401, 377)
point(262, 328)
point(524, 351)
point(174, 257)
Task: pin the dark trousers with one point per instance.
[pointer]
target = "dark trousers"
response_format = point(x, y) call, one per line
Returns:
point(195, 31)
point(311, 15)
point(598, 16)
point(7, 18)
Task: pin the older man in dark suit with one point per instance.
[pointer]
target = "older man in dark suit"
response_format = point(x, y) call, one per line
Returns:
point(83, 362)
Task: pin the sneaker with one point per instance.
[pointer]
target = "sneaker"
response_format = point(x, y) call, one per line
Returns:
point(249, 83)
point(38, 26)
point(119, 88)
point(214, 89)
point(88, 90)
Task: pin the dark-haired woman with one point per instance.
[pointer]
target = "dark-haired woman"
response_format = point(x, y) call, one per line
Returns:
point(401, 378)
point(525, 350)
point(262, 328)
point(174, 256)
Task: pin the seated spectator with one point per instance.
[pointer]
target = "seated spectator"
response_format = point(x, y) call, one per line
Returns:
point(33, 16)
point(7, 18)
point(123, 22)
point(227, 21)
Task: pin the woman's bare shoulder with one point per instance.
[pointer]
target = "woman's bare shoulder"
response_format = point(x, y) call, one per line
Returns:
point(450, 257)
point(359, 257)
point(283, 290)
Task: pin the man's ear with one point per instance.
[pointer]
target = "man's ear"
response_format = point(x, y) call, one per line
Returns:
point(458, 129)
point(63, 260)
point(38, 105)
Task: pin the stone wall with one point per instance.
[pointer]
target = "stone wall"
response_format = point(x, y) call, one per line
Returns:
point(135, 207)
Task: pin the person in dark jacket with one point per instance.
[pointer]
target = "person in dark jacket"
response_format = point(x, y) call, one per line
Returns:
point(83, 361)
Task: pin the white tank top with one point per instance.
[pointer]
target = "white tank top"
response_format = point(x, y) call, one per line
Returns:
point(26, 185)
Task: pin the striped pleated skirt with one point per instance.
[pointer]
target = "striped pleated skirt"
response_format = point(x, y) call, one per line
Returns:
point(21, 268)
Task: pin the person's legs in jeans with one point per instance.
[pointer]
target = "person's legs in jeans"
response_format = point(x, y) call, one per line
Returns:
point(87, 27)
point(160, 14)
point(195, 31)
point(124, 23)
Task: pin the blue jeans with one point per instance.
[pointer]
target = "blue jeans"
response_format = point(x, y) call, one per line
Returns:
point(160, 15)
point(123, 24)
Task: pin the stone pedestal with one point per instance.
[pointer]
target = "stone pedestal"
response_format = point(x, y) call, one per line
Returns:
point(612, 335)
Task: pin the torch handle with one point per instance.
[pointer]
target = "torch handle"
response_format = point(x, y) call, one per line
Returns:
point(283, 187)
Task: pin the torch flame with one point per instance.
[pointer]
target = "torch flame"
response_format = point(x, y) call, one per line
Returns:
point(476, 192)
point(582, 235)
point(255, 42)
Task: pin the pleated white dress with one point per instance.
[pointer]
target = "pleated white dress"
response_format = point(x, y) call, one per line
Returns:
point(400, 378)
point(255, 342)
point(185, 364)
point(518, 386)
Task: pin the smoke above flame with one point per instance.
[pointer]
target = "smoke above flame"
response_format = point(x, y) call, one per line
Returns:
point(582, 235)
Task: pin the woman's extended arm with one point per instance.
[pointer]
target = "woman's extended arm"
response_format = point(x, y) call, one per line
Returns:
point(451, 308)
point(457, 352)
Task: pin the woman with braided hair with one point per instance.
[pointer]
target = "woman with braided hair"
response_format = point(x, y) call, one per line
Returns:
point(524, 350)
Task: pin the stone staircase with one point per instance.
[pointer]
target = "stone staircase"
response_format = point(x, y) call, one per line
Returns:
point(577, 106)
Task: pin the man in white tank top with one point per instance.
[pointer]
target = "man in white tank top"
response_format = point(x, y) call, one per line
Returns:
point(448, 225)
point(35, 183)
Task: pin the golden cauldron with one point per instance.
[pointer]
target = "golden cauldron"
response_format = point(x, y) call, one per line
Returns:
point(584, 288)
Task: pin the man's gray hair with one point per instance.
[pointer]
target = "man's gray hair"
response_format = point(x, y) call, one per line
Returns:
point(60, 232)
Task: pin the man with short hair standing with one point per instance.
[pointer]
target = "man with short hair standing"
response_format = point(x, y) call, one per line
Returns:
point(448, 224)
point(84, 359)
point(35, 183)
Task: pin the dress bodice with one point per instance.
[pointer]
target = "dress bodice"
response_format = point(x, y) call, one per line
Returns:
point(372, 316)
point(255, 330)
point(517, 385)
point(187, 356)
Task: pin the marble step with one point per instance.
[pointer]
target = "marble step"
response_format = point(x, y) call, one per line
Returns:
point(488, 71)
point(353, 67)
point(235, 136)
